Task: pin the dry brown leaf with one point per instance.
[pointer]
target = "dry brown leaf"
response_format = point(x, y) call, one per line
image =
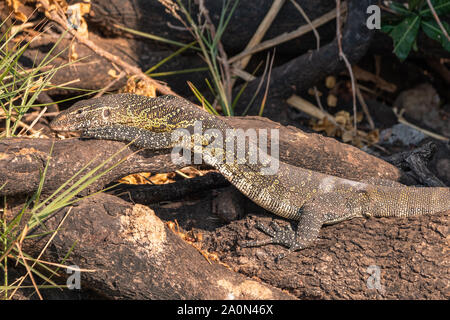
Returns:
point(141, 87)
point(332, 100)
point(18, 8)
point(112, 73)
point(75, 18)
point(147, 178)
point(342, 118)
point(325, 125)
point(347, 136)
point(374, 136)
point(330, 82)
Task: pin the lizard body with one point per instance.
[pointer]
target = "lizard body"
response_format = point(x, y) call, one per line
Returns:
point(312, 198)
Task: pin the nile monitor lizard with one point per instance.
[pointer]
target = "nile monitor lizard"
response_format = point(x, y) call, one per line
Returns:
point(312, 198)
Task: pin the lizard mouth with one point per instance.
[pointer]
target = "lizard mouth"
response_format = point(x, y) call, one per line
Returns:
point(59, 124)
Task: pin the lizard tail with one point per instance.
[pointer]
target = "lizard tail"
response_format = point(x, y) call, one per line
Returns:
point(407, 201)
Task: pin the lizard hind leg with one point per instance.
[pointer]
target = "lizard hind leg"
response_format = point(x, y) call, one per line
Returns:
point(308, 229)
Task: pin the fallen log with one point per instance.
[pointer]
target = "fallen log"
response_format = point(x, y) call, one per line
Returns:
point(23, 160)
point(375, 258)
point(136, 256)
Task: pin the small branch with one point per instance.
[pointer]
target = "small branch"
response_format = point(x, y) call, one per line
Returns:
point(402, 120)
point(440, 68)
point(305, 16)
point(436, 17)
point(347, 63)
point(260, 32)
point(289, 36)
point(129, 69)
point(365, 108)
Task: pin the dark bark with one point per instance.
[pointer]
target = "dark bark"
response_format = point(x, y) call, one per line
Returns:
point(136, 256)
point(410, 253)
point(304, 71)
point(93, 71)
point(151, 17)
point(417, 161)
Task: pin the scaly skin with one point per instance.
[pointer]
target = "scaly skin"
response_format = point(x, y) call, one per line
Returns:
point(311, 198)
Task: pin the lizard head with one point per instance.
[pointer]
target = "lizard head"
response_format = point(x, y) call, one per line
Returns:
point(92, 113)
point(160, 114)
point(112, 110)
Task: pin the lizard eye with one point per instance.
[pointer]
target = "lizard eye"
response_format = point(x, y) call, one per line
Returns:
point(79, 111)
point(106, 113)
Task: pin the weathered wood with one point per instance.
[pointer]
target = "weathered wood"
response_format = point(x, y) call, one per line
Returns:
point(136, 256)
point(22, 160)
point(411, 255)
point(152, 17)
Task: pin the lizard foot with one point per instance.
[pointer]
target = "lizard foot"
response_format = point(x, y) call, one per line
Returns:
point(284, 236)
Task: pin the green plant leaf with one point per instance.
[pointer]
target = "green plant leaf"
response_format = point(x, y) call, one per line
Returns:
point(404, 35)
point(399, 8)
point(432, 29)
point(387, 28)
point(440, 6)
point(416, 4)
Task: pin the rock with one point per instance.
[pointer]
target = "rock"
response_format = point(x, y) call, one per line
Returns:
point(422, 105)
point(402, 133)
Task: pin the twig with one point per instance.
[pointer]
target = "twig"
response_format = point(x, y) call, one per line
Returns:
point(260, 32)
point(178, 28)
point(440, 68)
point(363, 75)
point(129, 69)
point(436, 17)
point(22, 124)
point(35, 120)
point(109, 85)
point(243, 74)
point(17, 29)
point(365, 108)
point(305, 16)
point(310, 109)
point(424, 131)
point(347, 63)
point(290, 35)
point(316, 94)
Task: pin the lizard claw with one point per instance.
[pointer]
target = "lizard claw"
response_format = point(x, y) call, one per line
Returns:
point(277, 235)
